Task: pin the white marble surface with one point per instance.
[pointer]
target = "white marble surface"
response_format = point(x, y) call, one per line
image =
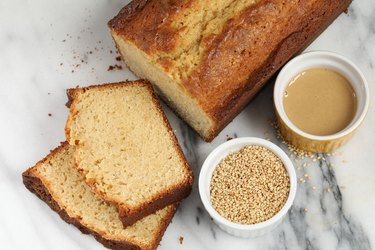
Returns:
point(37, 36)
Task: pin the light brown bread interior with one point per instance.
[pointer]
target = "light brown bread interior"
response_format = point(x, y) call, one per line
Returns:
point(58, 183)
point(166, 86)
point(125, 148)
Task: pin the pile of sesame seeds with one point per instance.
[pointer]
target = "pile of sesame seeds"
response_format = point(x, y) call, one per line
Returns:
point(303, 159)
point(249, 186)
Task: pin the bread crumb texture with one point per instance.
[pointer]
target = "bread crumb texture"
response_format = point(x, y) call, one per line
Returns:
point(182, 38)
point(124, 145)
point(249, 186)
point(73, 195)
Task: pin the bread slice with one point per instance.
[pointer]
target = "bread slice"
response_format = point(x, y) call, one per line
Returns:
point(208, 59)
point(58, 183)
point(126, 149)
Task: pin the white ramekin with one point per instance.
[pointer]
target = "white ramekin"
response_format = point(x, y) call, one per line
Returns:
point(212, 161)
point(320, 59)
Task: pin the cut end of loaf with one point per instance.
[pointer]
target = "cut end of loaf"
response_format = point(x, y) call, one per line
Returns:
point(170, 90)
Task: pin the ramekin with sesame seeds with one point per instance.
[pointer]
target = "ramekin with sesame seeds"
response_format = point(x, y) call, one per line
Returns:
point(237, 224)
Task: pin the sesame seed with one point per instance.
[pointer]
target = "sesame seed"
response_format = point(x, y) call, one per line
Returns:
point(249, 186)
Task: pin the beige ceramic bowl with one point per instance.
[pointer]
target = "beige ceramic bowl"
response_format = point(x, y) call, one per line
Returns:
point(320, 59)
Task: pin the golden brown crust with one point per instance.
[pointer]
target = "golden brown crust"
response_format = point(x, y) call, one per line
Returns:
point(135, 17)
point(159, 201)
point(239, 60)
point(41, 190)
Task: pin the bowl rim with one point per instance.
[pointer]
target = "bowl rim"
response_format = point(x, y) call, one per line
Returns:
point(278, 92)
point(221, 152)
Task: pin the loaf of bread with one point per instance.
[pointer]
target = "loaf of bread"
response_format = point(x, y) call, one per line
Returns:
point(207, 59)
point(126, 149)
point(58, 183)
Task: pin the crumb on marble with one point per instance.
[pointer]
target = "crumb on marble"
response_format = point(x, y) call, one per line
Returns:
point(113, 67)
point(181, 240)
point(118, 58)
point(49, 114)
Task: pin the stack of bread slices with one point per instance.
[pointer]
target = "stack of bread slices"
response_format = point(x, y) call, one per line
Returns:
point(121, 173)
